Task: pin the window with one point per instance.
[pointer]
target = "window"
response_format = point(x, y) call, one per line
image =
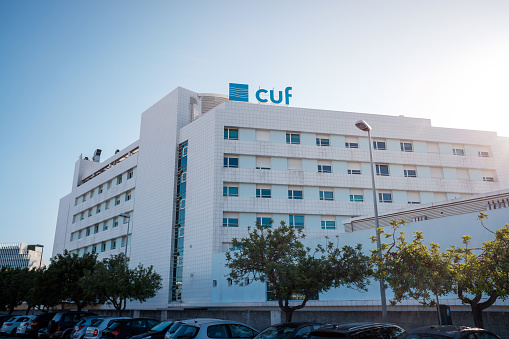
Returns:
point(103, 247)
point(410, 173)
point(115, 222)
point(321, 141)
point(128, 196)
point(491, 179)
point(458, 151)
point(293, 138)
point(356, 197)
point(382, 170)
point(130, 174)
point(96, 228)
point(106, 205)
point(264, 221)
point(230, 222)
point(483, 154)
point(351, 142)
point(385, 197)
point(263, 192)
point(326, 195)
point(100, 189)
point(119, 180)
point(297, 221)
point(354, 171)
point(214, 283)
point(414, 202)
point(231, 162)
point(294, 194)
point(90, 212)
point(324, 168)
point(84, 198)
point(105, 226)
point(98, 209)
point(117, 201)
point(354, 168)
point(351, 145)
point(263, 163)
point(328, 225)
point(87, 232)
point(113, 244)
point(414, 198)
point(231, 134)
point(406, 146)
point(379, 145)
point(230, 191)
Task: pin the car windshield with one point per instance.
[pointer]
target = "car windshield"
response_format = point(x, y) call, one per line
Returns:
point(96, 322)
point(276, 332)
point(161, 326)
point(114, 325)
point(186, 331)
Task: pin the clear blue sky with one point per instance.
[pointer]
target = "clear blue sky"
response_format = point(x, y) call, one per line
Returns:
point(76, 75)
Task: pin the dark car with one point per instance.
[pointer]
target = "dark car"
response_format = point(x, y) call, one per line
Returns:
point(62, 324)
point(358, 330)
point(40, 321)
point(297, 330)
point(125, 328)
point(449, 331)
point(3, 318)
point(156, 332)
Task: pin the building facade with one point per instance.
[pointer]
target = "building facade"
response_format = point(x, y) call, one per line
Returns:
point(205, 168)
point(19, 255)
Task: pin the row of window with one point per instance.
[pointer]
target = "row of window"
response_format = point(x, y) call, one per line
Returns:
point(294, 138)
point(356, 168)
point(99, 227)
point(296, 221)
point(106, 186)
point(103, 206)
point(101, 247)
point(328, 194)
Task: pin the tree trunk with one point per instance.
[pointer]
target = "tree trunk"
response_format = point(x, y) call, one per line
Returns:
point(288, 314)
point(477, 314)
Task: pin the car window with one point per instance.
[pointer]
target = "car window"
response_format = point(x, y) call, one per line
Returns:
point(152, 323)
point(138, 324)
point(68, 318)
point(302, 333)
point(217, 331)
point(241, 331)
point(186, 331)
point(276, 333)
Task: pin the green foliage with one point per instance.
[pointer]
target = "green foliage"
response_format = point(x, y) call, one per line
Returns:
point(113, 283)
point(66, 270)
point(14, 286)
point(412, 269)
point(277, 256)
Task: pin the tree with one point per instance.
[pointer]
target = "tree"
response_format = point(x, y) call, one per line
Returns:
point(277, 257)
point(481, 272)
point(114, 283)
point(45, 290)
point(412, 269)
point(66, 270)
point(14, 285)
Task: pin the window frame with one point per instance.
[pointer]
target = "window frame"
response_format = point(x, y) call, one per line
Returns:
point(322, 169)
point(321, 142)
point(403, 145)
point(292, 194)
point(265, 193)
point(290, 136)
point(378, 168)
point(227, 162)
point(406, 173)
point(382, 197)
point(380, 145)
point(323, 197)
point(228, 131)
point(293, 221)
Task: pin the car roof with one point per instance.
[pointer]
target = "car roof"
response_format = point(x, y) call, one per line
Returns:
point(295, 324)
point(445, 329)
point(351, 327)
point(202, 321)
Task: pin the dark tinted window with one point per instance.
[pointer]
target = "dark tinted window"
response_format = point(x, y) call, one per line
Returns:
point(57, 317)
point(152, 323)
point(279, 332)
point(114, 325)
point(217, 331)
point(302, 333)
point(241, 331)
point(186, 331)
point(161, 326)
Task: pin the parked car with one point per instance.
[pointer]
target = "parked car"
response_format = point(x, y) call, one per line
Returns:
point(61, 326)
point(3, 318)
point(22, 327)
point(37, 323)
point(43, 333)
point(10, 325)
point(156, 332)
point(80, 328)
point(297, 330)
point(358, 330)
point(213, 328)
point(125, 328)
point(449, 331)
point(94, 331)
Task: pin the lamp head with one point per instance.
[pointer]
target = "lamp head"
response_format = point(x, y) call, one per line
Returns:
point(363, 126)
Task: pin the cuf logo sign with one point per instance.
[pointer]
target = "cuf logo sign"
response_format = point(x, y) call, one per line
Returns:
point(240, 92)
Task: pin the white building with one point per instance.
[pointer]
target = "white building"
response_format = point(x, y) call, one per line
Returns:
point(205, 168)
point(19, 255)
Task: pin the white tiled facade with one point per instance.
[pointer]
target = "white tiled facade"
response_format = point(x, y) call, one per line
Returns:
point(142, 180)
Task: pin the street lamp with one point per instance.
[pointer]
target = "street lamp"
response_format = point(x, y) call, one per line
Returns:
point(363, 126)
point(128, 216)
point(42, 251)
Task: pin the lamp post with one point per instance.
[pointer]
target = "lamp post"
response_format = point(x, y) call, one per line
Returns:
point(363, 126)
point(128, 216)
point(42, 251)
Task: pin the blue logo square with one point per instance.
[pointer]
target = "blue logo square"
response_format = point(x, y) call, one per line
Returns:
point(239, 92)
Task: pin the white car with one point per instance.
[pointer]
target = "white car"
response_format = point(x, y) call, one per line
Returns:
point(9, 327)
point(95, 330)
point(22, 327)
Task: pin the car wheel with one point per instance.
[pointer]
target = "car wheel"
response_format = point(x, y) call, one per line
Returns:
point(13, 332)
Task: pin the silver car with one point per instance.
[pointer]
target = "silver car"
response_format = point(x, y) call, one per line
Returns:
point(9, 327)
point(80, 328)
point(94, 331)
point(213, 328)
point(22, 327)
